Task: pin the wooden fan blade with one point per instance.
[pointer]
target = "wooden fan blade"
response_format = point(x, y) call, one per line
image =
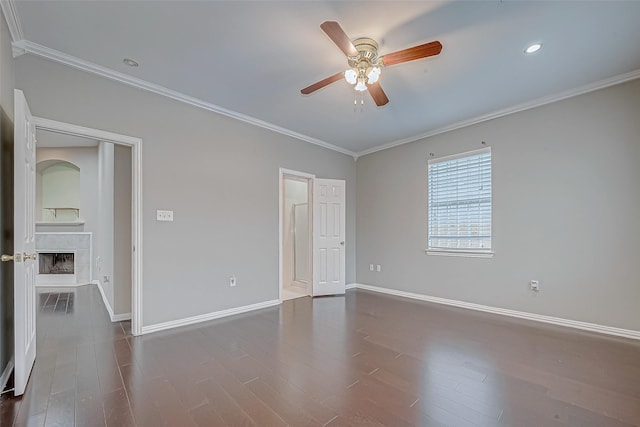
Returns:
point(322, 83)
point(378, 95)
point(339, 37)
point(416, 52)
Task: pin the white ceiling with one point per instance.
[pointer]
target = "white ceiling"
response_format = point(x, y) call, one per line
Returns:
point(253, 57)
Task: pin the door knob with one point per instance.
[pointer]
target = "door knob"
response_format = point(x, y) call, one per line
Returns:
point(342, 243)
point(6, 258)
point(30, 256)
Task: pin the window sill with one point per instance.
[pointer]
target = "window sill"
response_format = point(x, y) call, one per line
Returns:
point(460, 254)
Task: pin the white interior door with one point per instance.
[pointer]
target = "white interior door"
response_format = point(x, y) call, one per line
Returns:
point(24, 242)
point(329, 215)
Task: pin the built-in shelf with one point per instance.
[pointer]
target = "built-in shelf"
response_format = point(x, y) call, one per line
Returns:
point(55, 211)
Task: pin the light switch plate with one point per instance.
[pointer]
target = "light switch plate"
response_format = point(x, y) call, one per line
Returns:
point(164, 215)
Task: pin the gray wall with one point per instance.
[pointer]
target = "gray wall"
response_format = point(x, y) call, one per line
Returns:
point(219, 175)
point(566, 204)
point(6, 194)
point(122, 229)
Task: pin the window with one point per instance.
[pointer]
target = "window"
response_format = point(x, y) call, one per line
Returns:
point(459, 204)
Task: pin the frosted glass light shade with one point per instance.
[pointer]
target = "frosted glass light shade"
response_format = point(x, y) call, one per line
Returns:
point(351, 76)
point(373, 75)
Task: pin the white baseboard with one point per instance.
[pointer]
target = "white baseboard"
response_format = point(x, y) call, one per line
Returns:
point(6, 374)
point(112, 316)
point(121, 317)
point(593, 327)
point(209, 316)
point(351, 286)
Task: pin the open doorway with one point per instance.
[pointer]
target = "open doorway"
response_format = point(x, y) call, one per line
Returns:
point(296, 215)
point(83, 218)
point(114, 258)
point(24, 254)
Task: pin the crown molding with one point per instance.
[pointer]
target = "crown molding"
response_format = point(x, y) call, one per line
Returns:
point(21, 46)
point(10, 13)
point(80, 64)
point(612, 81)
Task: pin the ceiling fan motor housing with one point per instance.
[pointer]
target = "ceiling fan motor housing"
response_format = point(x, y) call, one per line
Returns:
point(367, 53)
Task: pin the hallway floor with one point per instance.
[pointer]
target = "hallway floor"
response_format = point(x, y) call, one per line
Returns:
point(361, 360)
point(293, 292)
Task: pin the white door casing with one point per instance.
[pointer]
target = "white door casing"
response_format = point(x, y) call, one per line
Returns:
point(24, 243)
point(329, 216)
point(136, 152)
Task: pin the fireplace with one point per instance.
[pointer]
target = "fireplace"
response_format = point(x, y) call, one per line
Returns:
point(56, 263)
point(56, 267)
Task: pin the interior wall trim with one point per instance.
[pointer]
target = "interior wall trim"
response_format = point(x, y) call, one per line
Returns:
point(10, 13)
point(612, 81)
point(121, 317)
point(90, 67)
point(4, 378)
point(107, 304)
point(208, 316)
point(575, 324)
point(22, 46)
point(114, 317)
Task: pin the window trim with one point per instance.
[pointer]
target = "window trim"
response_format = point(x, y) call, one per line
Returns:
point(465, 254)
point(461, 252)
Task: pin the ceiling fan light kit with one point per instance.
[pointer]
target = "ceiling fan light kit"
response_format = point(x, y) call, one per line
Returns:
point(365, 66)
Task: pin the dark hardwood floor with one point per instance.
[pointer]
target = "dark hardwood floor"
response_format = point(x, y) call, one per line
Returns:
point(363, 359)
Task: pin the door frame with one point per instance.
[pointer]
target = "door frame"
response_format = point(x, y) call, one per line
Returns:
point(136, 203)
point(284, 173)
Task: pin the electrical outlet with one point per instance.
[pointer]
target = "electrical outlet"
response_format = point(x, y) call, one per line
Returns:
point(534, 285)
point(232, 281)
point(164, 215)
point(370, 267)
point(378, 268)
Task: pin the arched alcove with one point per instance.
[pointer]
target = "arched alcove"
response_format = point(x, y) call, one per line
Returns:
point(58, 190)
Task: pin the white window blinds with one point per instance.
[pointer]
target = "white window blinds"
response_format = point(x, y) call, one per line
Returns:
point(459, 203)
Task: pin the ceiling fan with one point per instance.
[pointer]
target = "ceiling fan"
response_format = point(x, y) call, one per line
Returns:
point(365, 65)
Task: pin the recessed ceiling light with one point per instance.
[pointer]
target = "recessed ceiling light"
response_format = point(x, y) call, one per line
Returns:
point(130, 62)
point(533, 48)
